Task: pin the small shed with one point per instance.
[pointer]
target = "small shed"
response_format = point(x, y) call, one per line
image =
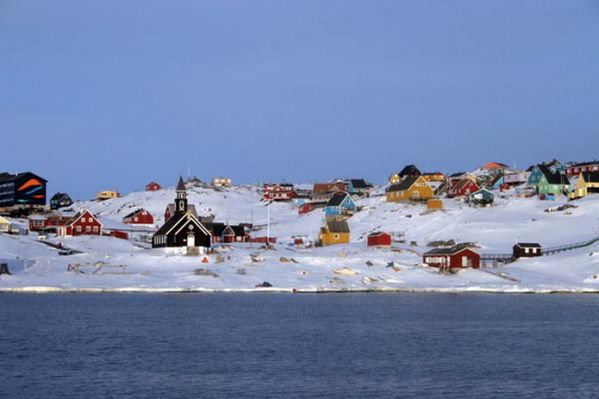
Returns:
point(153, 186)
point(527, 250)
point(434, 204)
point(334, 232)
point(379, 239)
point(481, 197)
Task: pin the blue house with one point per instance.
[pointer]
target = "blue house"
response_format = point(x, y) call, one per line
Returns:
point(358, 187)
point(340, 204)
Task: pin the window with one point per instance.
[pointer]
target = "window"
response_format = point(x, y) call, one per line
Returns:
point(525, 250)
point(336, 236)
point(135, 219)
point(78, 229)
point(88, 229)
point(95, 229)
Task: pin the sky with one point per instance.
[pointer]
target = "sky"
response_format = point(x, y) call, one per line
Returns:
point(111, 94)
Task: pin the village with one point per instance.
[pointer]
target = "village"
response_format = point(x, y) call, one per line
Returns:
point(334, 233)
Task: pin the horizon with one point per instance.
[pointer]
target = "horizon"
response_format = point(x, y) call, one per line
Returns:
point(266, 92)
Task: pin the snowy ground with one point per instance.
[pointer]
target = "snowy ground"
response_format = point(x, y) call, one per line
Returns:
point(352, 267)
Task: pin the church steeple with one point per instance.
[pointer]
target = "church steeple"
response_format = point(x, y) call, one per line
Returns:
point(181, 200)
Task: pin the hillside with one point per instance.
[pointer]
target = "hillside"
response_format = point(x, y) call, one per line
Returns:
point(494, 229)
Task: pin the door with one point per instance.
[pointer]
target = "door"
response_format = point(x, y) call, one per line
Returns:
point(191, 240)
point(466, 261)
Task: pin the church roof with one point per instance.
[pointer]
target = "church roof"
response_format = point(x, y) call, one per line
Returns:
point(181, 184)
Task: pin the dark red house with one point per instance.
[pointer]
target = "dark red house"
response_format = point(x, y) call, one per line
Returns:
point(139, 216)
point(305, 208)
point(47, 223)
point(278, 192)
point(457, 257)
point(153, 186)
point(464, 187)
point(527, 250)
point(379, 239)
point(83, 223)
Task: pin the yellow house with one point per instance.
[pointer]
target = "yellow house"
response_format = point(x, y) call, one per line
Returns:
point(587, 183)
point(108, 194)
point(434, 176)
point(335, 232)
point(4, 225)
point(410, 189)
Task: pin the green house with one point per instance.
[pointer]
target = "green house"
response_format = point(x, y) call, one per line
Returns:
point(549, 180)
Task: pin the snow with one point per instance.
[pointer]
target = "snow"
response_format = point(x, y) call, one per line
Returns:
point(349, 267)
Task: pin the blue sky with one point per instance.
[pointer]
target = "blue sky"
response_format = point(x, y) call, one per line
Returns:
point(113, 94)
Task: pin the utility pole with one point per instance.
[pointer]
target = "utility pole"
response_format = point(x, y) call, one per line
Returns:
point(268, 224)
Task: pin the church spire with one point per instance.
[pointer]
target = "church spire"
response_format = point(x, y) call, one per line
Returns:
point(181, 200)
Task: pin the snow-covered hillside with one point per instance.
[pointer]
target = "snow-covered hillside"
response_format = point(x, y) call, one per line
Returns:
point(494, 229)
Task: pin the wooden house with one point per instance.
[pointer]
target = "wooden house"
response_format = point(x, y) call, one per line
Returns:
point(224, 182)
point(340, 205)
point(226, 233)
point(305, 208)
point(48, 223)
point(183, 229)
point(582, 167)
point(379, 239)
point(60, 200)
point(4, 225)
point(322, 192)
point(549, 179)
point(83, 223)
point(22, 193)
point(587, 183)
point(139, 216)
point(359, 188)
point(407, 171)
point(481, 197)
point(495, 166)
point(527, 250)
point(153, 186)
point(106, 195)
point(278, 192)
point(334, 232)
point(411, 188)
point(434, 177)
point(463, 187)
point(457, 257)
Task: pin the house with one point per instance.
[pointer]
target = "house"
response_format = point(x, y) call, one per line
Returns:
point(334, 232)
point(47, 223)
point(322, 192)
point(83, 223)
point(340, 205)
point(527, 250)
point(22, 193)
point(226, 233)
point(495, 166)
point(305, 208)
point(139, 216)
point(153, 186)
point(407, 171)
point(182, 229)
point(379, 239)
point(278, 192)
point(224, 182)
point(463, 187)
point(456, 257)
point(587, 183)
point(358, 188)
point(434, 177)
point(577, 168)
point(302, 197)
point(106, 195)
point(549, 179)
point(4, 225)
point(60, 200)
point(411, 188)
point(481, 197)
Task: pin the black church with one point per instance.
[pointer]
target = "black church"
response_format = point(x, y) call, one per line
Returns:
point(183, 229)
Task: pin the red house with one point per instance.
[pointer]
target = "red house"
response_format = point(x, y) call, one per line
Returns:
point(139, 216)
point(305, 208)
point(457, 257)
point(379, 239)
point(278, 192)
point(83, 223)
point(464, 187)
point(153, 186)
point(47, 223)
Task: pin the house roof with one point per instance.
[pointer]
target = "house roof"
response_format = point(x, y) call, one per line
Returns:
point(450, 250)
point(495, 165)
point(379, 233)
point(462, 183)
point(404, 184)
point(4, 177)
point(190, 207)
point(528, 244)
point(336, 226)
point(360, 183)
point(591, 177)
point(553, 178)
point(410, 170)
point(337, 199)
point(327, 187)
point(589, 163)
point(135, 212)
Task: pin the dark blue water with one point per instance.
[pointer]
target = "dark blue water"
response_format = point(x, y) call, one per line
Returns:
point(252, 345)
